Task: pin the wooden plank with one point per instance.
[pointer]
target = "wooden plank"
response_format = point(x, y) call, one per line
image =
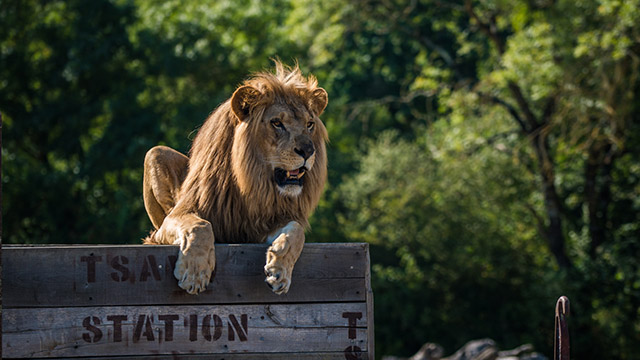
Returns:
point(247, 356)
point(269, 315)
point(157, 330)
point(76, 301)
point(369, 297)
point(138, 275)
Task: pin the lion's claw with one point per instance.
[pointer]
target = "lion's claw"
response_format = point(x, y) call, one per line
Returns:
point(194, 284)
point(278, 278)
point(194, 272)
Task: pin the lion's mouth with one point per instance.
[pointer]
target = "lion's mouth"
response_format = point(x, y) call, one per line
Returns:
point(289, 177)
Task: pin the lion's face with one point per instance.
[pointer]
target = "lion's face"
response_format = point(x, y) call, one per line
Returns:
point(283, 135)
point(288, 146)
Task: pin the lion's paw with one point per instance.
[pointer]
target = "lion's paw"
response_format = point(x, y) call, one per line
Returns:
point(194, 272)
point(278, 277)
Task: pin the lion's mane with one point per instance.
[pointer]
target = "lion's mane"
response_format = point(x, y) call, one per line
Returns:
point(229, 182)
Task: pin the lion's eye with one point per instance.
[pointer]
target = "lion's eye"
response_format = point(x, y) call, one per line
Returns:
point(276, 123)
point(310, 125)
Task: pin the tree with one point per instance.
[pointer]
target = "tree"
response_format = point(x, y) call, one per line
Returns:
point(88, 88)
point(61, 61)
point(566, 75)
point(483, 147)
point(449, 243)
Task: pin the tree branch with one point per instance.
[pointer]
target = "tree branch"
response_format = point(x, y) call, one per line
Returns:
point(489, 28)
point(549, 108)
point(539, 220)
point(536, 130)
point(524, 107)
point(597, 191)
point(510, 109)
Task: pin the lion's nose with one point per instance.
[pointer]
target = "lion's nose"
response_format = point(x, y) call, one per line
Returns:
point(306, 150)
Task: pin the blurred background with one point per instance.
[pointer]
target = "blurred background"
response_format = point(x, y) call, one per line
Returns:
point(488, 150)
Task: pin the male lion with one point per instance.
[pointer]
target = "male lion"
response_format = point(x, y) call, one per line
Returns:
point(255, 173)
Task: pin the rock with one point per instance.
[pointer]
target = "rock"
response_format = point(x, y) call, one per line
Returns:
point(429, 351)
point(483, 349)
point(520, 350)
point(533, 356)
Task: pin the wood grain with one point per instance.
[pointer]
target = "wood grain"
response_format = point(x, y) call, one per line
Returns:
point(122, 302)
point(243, 356)
point(79, 331)
point(137, 275)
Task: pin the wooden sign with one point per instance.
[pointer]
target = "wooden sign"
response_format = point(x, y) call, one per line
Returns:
point(123, 301)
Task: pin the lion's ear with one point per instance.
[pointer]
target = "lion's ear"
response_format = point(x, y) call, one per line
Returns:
point(318, 101)
point(243, 99)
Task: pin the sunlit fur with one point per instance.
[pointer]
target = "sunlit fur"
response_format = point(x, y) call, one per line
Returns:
point(230, 180)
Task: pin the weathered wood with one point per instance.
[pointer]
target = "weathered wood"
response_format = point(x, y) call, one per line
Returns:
point(369, 302)
point(123, 301)
point(80, 331)
point(246, 356)
point(136, 275)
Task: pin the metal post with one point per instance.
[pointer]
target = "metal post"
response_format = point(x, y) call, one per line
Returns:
point(561, 341)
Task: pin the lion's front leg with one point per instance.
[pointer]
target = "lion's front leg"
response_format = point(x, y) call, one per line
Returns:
point(282, 256)
point(196, 258)
point(164, 172)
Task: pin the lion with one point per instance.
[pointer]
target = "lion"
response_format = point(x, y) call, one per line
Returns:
point(255, 173)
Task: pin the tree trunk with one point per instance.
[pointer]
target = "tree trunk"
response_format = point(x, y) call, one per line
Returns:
point(534, 128)
point(552, 204)
point(597, 193)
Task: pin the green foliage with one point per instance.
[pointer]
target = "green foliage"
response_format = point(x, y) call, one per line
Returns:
point(65, 102)
point(88, 87)
point(493, 75)
point(446, 119)
point(465, 249)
